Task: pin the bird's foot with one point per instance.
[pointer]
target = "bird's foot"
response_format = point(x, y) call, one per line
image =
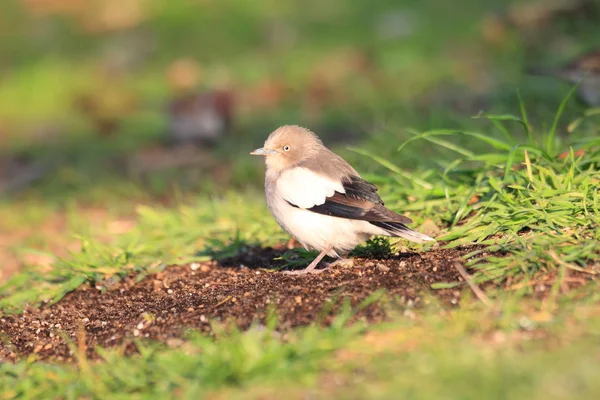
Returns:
point(311, 268)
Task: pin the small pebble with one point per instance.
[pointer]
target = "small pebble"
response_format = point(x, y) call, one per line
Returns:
point(383, 267)
point(170, 291)
point(194, 266)
point(205, 268)
point(136, 332)
point(345, 263)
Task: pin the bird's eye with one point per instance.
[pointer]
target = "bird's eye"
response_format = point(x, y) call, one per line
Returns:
point(286, 148)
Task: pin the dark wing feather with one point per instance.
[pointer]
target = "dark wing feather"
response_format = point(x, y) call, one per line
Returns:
point(360, 201)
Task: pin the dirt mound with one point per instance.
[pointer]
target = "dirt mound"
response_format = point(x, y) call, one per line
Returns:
point(163, 305)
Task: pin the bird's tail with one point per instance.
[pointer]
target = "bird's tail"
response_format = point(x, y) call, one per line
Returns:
point(400, 230)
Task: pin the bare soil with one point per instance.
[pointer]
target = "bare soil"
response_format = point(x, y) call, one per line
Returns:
point(164, 305)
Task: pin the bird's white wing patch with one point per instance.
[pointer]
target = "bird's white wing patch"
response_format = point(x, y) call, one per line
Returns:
point(305, 188)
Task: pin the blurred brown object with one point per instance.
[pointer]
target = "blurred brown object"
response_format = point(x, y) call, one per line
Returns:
point(533, 15)
point(576, 154)
point(19, 171)
point(495, 29)
point(195, 115)
point(585, 69)
point(183, 74)
point(200, 117)
point(93, 15)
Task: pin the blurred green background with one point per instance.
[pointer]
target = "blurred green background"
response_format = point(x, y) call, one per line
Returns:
point(90, 91)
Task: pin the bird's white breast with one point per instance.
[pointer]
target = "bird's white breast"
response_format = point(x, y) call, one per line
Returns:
point(305, 188)
point(313, 230)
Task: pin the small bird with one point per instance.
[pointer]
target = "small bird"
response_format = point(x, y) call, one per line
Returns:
point(322, 201)
point(200, 118)
point(196, 114)
point(585, 69)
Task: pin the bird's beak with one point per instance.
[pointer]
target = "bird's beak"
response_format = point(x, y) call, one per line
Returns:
point(263, 152)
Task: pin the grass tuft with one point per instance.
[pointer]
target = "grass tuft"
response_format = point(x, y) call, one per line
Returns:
point(518, 198)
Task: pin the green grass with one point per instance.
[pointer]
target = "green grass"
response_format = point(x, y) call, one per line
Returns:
point(521, 198)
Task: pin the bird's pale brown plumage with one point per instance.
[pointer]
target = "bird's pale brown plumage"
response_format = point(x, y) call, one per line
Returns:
point(322, 201)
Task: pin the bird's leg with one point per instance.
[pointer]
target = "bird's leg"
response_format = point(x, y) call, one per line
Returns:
point(311, 267)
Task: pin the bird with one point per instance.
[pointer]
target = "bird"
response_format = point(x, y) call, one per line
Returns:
point(320, 200)
point(197, 114)
point(585, 69)
point(200, 117)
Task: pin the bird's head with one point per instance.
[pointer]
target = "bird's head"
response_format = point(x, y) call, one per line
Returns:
point(288, 146)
